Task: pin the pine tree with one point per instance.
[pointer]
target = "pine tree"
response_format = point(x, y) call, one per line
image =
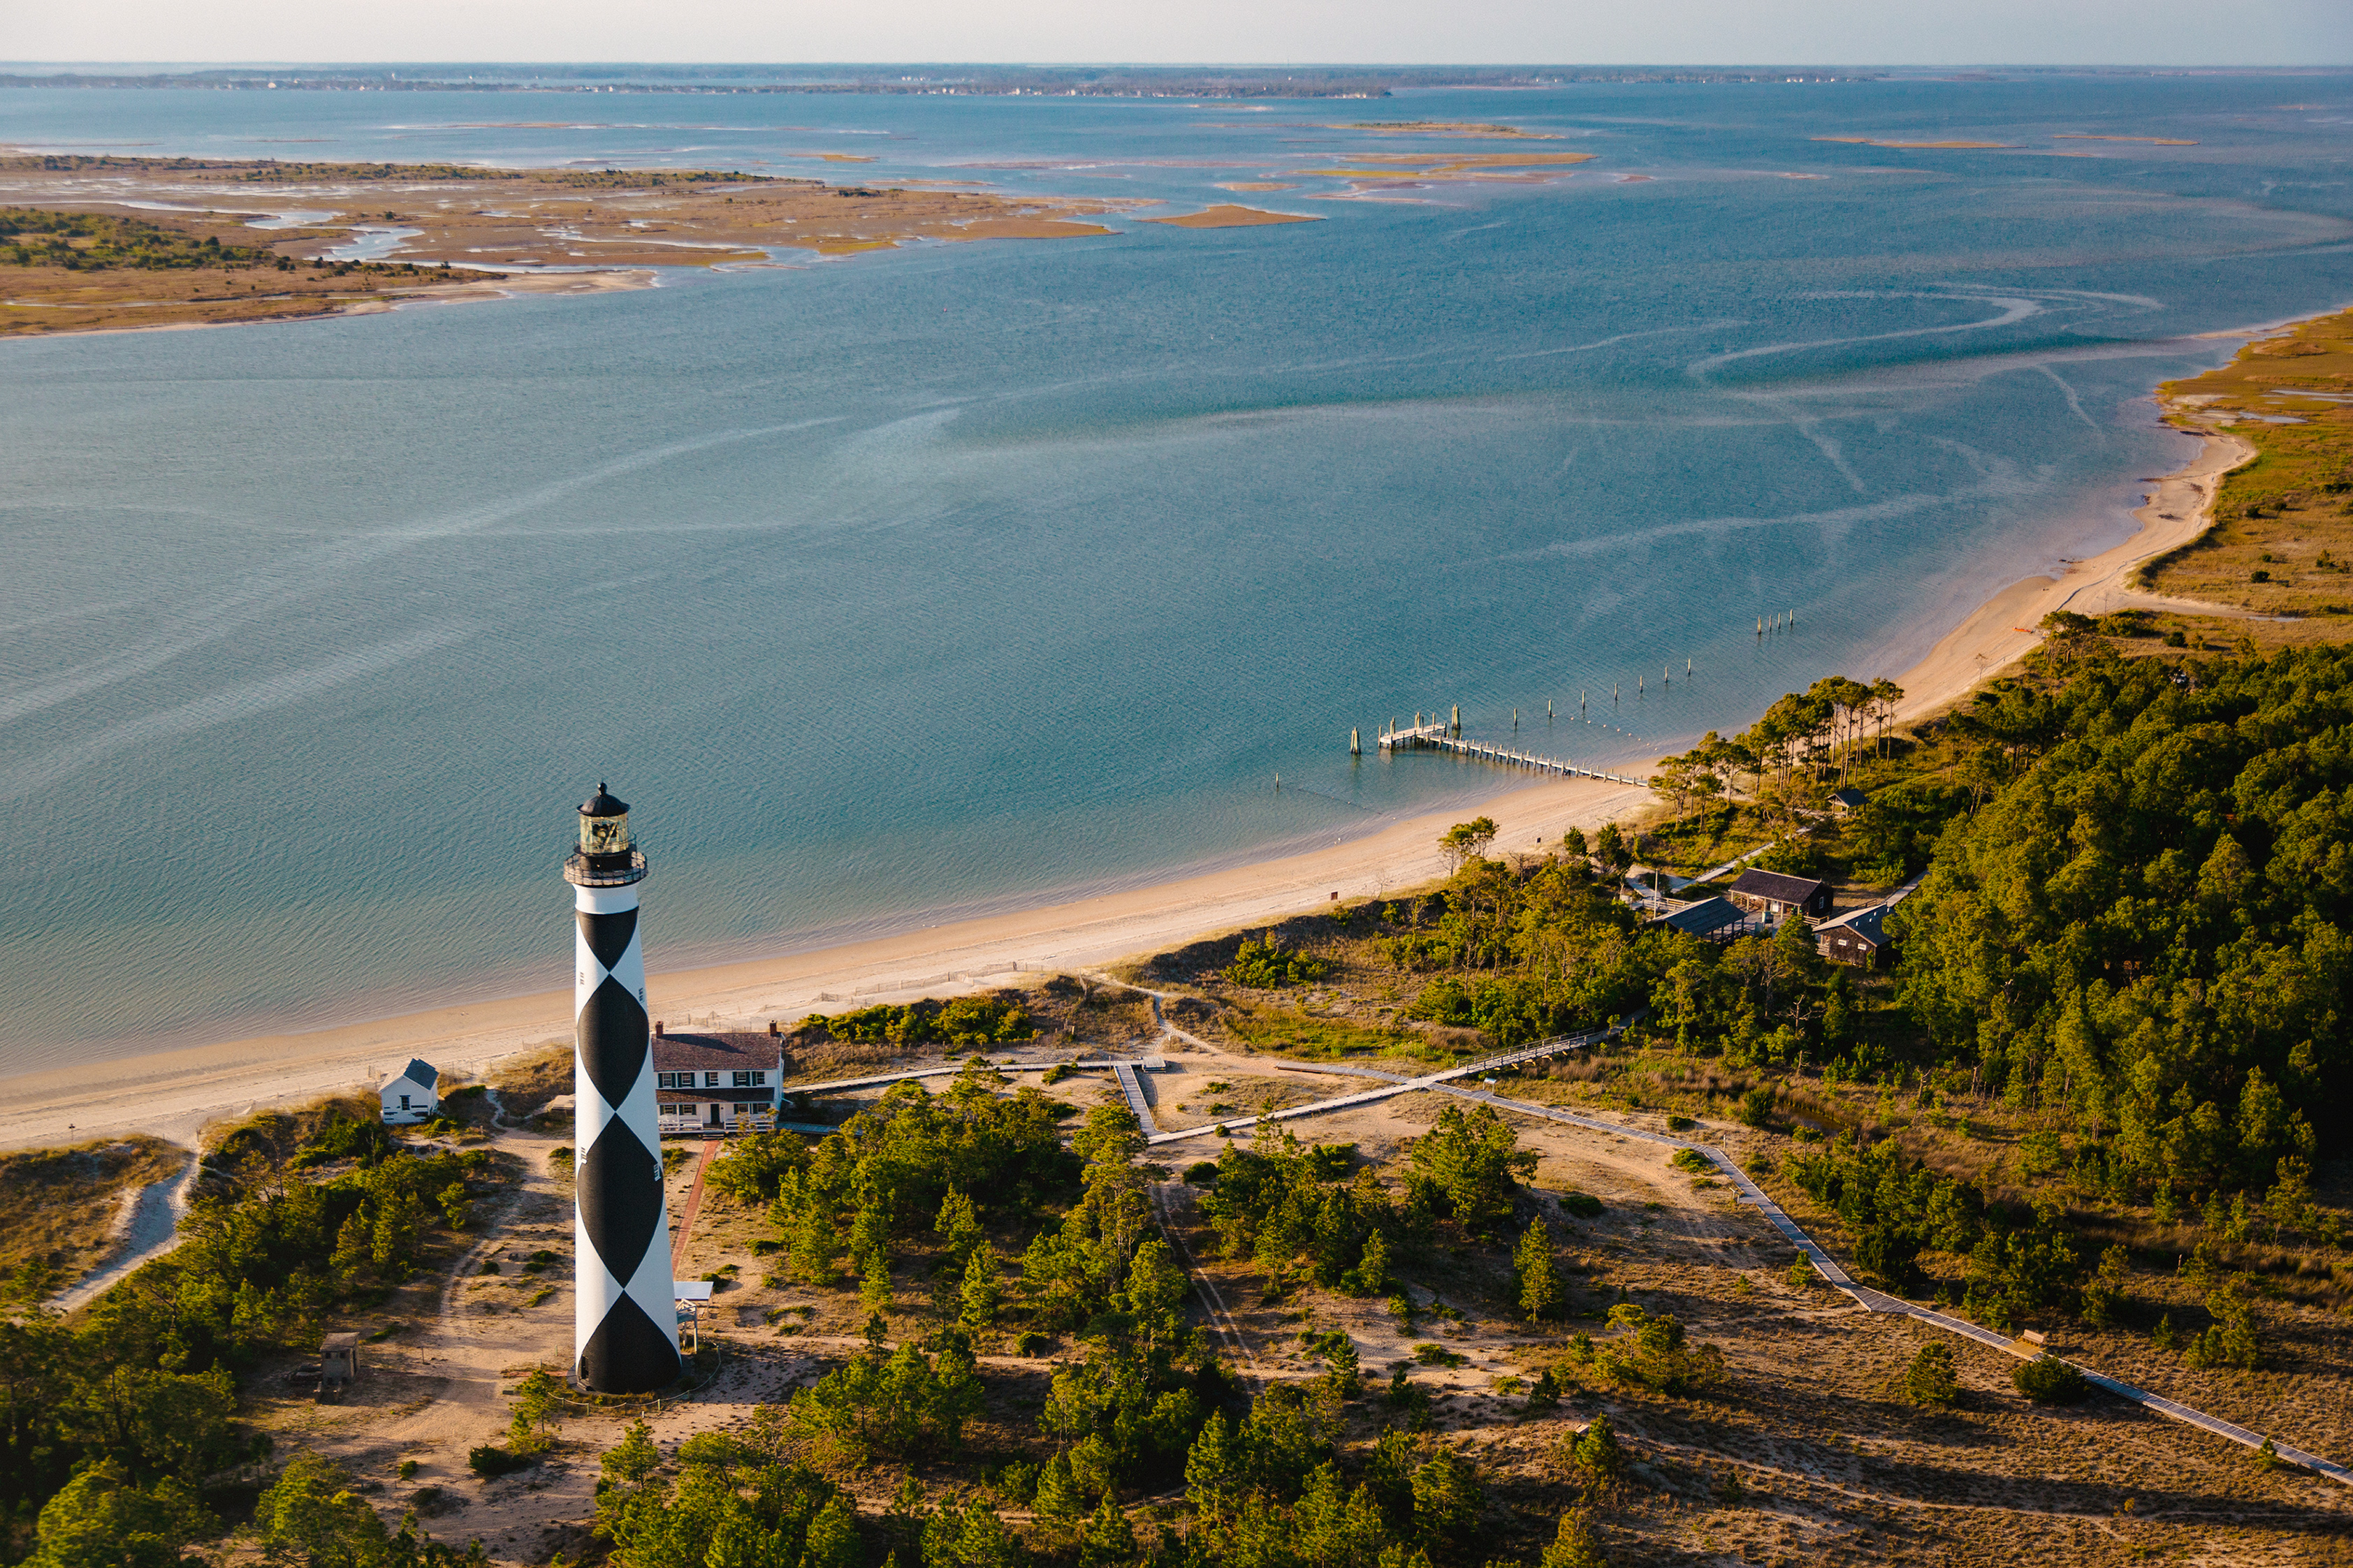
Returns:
point(874, 1282)
point(983, 1290)
point(1108, 1541)
point(1574, 1546)
point(1541, 1292)
point(959, 1225)
point(1058, 1500)
point(1597, 1453)
point(1155, 1292)
point(813, 1243)
point(1929, 1381)
point(1371, 1275)
point(1345, 1381)
point(1215, 1471)
point(1546, 1394)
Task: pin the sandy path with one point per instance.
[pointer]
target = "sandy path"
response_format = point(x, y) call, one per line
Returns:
point(2000, 632)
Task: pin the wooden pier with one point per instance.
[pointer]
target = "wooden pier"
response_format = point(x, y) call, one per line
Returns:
point(1441, 737)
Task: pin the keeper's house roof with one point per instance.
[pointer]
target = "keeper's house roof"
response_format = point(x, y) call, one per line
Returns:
point(1779, 887)
point(418, 1071)
point(1703, 919)
point(702, 1053)
point(1867, 924)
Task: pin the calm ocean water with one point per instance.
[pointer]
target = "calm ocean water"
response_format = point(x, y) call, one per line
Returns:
point(966, 577)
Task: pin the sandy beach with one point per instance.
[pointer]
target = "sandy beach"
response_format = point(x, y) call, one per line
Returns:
point(174, 1094)
point(2000, 632)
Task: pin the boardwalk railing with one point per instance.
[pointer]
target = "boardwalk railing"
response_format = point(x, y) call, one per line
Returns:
point(1880, 1302)
point(1396, 1085)
point(1443, 738)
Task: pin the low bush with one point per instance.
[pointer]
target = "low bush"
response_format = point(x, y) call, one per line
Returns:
point(2047, 1380)
point(490, 1461)
point(1929, 1381)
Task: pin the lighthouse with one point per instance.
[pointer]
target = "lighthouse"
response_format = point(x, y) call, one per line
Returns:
point(625, 1325)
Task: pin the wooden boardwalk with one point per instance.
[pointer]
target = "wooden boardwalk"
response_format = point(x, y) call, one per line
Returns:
point(1443, 738)
point(1445, 1082)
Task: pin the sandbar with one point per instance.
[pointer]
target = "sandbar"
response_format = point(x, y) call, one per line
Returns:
point(1872, 142)
point(1463, 128)
point(477, 219)
point(1229, 216)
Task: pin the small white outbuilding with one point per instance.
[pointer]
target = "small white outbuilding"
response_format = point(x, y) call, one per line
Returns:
point(411, 1096)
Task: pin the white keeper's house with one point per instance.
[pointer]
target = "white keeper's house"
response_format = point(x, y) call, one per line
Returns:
point(717, 1083)
point(411, 1096)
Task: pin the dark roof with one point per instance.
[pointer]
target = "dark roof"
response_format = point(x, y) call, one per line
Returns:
point(418, 1070)
point(1705, 917)
point(1868, 924)
point(603, 805)
point(1775, 886)
point(1848, 798)
point(681, 1053)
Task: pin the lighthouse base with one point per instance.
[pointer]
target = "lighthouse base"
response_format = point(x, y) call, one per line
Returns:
point(628, 1353)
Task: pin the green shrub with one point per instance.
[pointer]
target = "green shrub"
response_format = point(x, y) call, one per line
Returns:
point(1201, 1173)
point(1929, 1381)
point(344, 1138)
point(1033, 1343)
point(1757, 1107)
point(490, 1461)
point(2047, 1380)
point(1679, 1124)
point(1267, 965)
point(1584, 1205)
point(1691, 1160)
point(407, 1469)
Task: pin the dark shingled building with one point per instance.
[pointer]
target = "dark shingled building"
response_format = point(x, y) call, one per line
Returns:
point(1860, 939)
point(1712, 919)
point(1776, 896)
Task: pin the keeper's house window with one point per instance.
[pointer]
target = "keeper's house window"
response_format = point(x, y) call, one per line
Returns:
point(749, 1109)
point(673, 1080)
point(750, 1079)
point(710, 1080)
point(678, 1110)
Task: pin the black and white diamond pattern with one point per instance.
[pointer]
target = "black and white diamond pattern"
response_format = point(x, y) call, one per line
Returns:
point(625, 1337)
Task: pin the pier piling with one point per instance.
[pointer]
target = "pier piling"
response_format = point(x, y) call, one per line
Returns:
point(1437, 737)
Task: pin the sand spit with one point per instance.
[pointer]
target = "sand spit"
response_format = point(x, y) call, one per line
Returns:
point(1872, 142)
point(402, 217)
point(2002, 631)
point(1228, 215)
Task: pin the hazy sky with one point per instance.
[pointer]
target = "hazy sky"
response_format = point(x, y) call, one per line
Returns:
point(1827, 32)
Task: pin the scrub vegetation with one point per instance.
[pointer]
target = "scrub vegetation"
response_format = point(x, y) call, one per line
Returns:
point(120, 1440)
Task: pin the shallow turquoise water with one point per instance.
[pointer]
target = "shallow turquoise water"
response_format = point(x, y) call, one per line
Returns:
point(968, 577)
